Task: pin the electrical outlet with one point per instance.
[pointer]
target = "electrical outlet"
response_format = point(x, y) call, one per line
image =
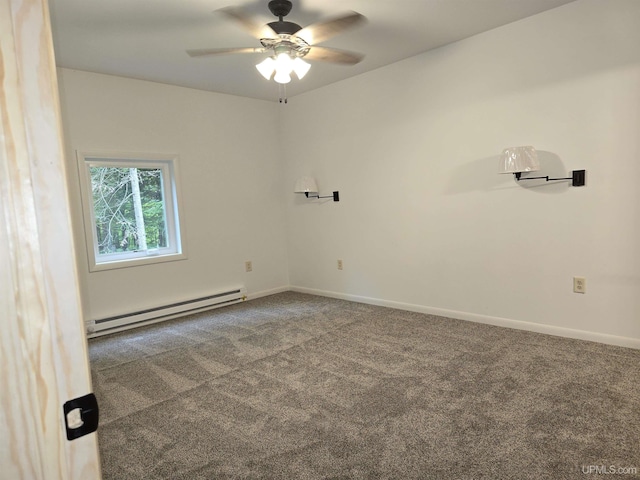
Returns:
point(579, 284)
point(339, 264)
point(248, 266)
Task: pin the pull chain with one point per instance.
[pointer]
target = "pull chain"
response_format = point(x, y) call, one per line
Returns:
point(283, 93)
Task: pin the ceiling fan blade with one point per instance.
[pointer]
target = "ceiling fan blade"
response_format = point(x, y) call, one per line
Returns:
point(333, 55)
point(244, 19)
point(205, 52)
point(324, 30)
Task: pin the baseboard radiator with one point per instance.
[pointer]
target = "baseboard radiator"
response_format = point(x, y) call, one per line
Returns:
point(148, 316)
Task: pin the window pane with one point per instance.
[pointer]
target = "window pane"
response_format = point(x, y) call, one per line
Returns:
point(153, 207)
point(129, 209)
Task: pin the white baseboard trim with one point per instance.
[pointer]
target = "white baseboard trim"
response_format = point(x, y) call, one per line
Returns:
point(266, 293)
point(473, 317)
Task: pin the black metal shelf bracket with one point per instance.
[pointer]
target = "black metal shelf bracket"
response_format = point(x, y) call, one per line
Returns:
point(335, 196)
point(577, 178)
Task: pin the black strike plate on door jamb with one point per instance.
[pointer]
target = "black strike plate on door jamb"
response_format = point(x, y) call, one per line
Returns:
point(86, 420)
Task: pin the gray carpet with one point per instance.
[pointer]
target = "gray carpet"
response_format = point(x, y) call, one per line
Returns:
point(296, 386)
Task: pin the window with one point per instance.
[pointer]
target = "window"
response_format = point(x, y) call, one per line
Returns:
point(130, 206)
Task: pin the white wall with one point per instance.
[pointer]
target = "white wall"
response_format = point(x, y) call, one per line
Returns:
point(231, 179)
point(424, 220)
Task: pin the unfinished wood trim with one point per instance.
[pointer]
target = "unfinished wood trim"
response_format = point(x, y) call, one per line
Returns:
point(43, 354)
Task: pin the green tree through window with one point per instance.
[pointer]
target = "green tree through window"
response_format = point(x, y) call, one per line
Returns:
point(128, 205)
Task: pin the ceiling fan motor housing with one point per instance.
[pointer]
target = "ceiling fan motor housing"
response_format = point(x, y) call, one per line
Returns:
point(287, 28)
point(280, 8)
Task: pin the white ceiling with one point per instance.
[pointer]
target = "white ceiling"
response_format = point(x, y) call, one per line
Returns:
point(147, 39)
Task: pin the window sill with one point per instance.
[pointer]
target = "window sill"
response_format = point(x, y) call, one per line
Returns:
point(136, 262)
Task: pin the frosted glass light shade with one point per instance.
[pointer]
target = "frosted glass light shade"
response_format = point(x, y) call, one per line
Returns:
point(306, 185)
point(282, 65)
point(282, 77)
point(267, 67)
point(519, 159)
point(300, 67)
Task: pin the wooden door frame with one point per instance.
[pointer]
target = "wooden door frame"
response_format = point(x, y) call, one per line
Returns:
point(43, 348)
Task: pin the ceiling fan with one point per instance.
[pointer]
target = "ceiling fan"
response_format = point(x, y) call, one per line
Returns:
point(287, 43)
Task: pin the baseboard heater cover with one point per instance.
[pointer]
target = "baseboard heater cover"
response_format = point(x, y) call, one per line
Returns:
point(125, 321)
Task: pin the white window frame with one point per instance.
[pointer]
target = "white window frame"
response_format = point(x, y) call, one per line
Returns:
point(172, 203)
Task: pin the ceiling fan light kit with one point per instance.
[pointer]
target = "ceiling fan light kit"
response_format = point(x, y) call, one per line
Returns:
point(287, 43)
point(282, 66)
